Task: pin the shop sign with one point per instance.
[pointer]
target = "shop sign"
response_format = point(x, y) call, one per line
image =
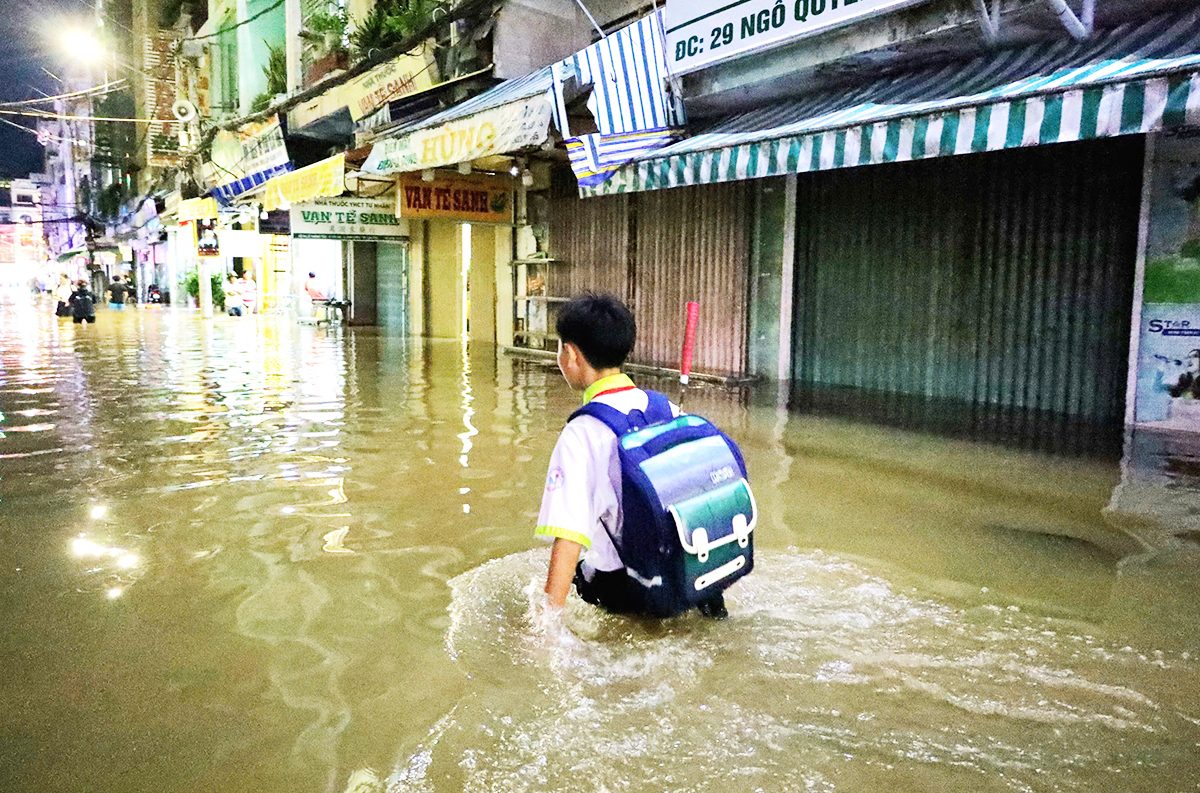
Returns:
point(403, 76)
point(511, 127)
point(159, 93)
point(348, 219)
point(276, 223)
point(326, 178)
point(399, 77)
point(475, 198)
point(246, 158)
point(197, 209)
point(703, 32)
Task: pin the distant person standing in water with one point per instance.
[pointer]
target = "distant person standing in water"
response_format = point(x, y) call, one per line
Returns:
point(249, 290)
point(62, 293)
point(118, 291)
point(233, 296)
point(83, 304)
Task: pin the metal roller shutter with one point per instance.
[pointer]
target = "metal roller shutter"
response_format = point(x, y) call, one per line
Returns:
point(985, 293)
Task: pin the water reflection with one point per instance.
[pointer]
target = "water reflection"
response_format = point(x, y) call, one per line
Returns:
point(312, 560)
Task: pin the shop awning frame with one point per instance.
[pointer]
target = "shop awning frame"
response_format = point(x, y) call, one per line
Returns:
point(1133, 79)
point(517, 112)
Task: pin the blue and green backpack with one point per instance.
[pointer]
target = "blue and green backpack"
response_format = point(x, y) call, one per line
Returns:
point(688, 512)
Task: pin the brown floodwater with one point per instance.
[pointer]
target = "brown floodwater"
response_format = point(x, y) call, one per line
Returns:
point(248, 555)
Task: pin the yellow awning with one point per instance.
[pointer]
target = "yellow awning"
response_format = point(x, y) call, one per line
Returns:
point(320, 180)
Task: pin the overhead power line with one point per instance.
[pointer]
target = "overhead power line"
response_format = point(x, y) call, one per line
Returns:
point(31, 114)
point(95, 89)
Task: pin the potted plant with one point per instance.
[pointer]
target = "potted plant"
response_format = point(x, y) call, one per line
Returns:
point(276, 73)
point(391, 22)
point(326, 29)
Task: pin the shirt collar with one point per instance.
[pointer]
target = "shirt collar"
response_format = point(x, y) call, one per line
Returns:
point(613, 381)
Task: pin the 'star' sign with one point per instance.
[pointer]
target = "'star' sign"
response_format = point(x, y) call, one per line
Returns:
point(475, 198)
point(703, 32)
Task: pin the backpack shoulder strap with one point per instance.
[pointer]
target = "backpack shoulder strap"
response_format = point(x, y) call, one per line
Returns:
point(659, 408)
point(612, 418)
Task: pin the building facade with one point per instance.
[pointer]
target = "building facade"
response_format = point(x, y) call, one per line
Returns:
point(911, 209)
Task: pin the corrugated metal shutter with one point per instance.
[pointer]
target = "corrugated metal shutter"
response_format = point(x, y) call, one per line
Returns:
point(658, 251)
point(592, 237)
point(989, 290)
point(392, 262)
point(693, 243)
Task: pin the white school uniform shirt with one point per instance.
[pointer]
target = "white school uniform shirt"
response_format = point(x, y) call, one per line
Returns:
point(582, 499)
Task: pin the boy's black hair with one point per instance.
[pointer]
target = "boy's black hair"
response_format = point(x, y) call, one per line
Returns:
point(600, 325)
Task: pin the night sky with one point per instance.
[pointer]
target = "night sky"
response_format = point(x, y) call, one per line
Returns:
point(30, 36)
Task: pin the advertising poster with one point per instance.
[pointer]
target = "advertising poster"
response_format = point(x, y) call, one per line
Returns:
point(206, 238)
point(1168, 383)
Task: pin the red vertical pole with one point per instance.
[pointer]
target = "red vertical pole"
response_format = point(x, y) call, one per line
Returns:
point(689, 342)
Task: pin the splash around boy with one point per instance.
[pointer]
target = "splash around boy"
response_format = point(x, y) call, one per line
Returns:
point(582, 506)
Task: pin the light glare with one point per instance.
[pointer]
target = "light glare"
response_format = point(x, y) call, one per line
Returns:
point(84, 547)
point(81, 44)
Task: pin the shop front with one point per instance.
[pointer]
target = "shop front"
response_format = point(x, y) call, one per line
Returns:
point(988, 295)
point(956, 246)
point(465, 224)
point(357, 251)
point(658, 251)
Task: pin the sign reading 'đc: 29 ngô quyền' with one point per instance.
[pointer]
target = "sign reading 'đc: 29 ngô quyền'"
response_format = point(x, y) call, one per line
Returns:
point(701, 33)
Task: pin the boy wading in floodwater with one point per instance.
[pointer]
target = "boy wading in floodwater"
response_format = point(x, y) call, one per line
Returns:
point(649, 510)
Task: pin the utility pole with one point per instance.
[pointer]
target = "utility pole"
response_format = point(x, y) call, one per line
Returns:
point(205, 283)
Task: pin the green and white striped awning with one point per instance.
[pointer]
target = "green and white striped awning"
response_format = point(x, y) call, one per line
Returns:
point(1132, 79)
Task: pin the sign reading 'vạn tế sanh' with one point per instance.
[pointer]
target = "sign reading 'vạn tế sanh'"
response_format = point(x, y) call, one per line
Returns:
point(474, 198)
point(347, 219)
point(703, 32)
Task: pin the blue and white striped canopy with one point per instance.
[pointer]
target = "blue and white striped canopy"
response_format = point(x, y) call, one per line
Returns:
point(1132, 79)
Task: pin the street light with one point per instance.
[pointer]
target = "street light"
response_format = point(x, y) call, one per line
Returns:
point(83, 45)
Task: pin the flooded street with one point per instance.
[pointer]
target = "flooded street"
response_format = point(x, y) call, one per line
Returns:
point(246, 555)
